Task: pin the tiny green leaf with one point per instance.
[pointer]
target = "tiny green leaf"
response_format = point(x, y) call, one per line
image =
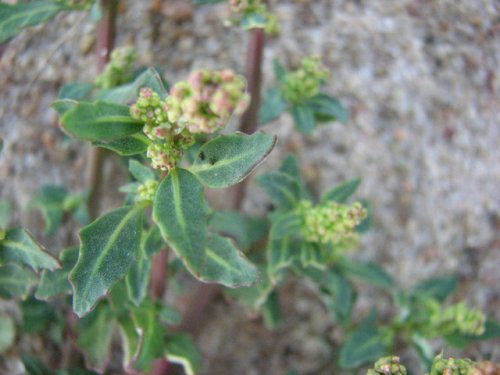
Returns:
point(15, 281)
point(271, 311)
point(137, 279)
point(181, 350)
point(370, 272)
point(342, 192)
point(109, 245)
point(283, 189)
point(327, 108)
point(140, 172)
point(303, 117)
point(437, 287)
point(75, 91)
point(20, 247)
point(100, 121)
point(253, 21)
point(16, 17)
point(50, 200)
point(228, 159)
point(272, 107)
point(56, 282)
point(126, 146)
point(7, 332)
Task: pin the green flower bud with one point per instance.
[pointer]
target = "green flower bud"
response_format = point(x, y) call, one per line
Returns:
point(147, 190)
point(451, 366)
point(387, 366)
point(457, 318)
point(119, 68)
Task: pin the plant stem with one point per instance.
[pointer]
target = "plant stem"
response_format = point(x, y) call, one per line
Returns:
point(106, 30)
point(159, 274)
point(205, 293)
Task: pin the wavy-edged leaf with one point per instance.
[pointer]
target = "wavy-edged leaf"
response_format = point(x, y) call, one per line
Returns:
point(100, 121)
point(228, 159)
point(53, 283)
point(16, 17)
point(328, 108)
point(181, 349)
point(342, 192)
point(109, 245)
point(303, 117)
point(272, 107)
point(370, 272)
point(283, 189)
point(127, 146)
point(20, 247)
point(181, 214)
point(15, 282)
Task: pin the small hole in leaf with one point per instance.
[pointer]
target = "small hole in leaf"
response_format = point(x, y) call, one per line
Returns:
point(202, 156)
point(212, 160)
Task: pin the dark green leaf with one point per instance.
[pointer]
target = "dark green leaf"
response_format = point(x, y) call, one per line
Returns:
point(75, 91)
point(283, 189)
point(312, 255)
point(342, 192)
point(253, 297)
point(244, 230)
point(154, 242)
point(126, 146)
point(303, 116)
point(152, 335)
point(271, 311)
point(108, 247)
point(37, 316)
point(20, 247)
point(340, 296)
point(137, 279)
point(56, 282)
point(16, 17)
point(50, 200)
point(327, 108)
point(272, 107)
point(437, 287)
point(370, 272)
point(100, 121)
point(228, 159)
point(362, 346)
point(15, 282)
point(181, 349)
point(35, 366)
point(130, 340)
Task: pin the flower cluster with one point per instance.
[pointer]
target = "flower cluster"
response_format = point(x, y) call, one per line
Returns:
point(387, 366)
point(202, 104)
point(457, 318)
point(331, 222)
point(256, 10)
point(147, 190)
point(451, 366)
point(304, 82)
point(119, 68)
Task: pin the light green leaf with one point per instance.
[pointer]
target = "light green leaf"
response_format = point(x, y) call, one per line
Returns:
point(272, 107)
point(228, 159)
point(15, 281)
point(370, 272)
point(75, 91)
point(20, 247)
point(127, 94)
point(7, 332)
point(140, 172)
point(327, 108)
point(312, 255)
point(56, 282)
point(63, 105)
point(362, 346)
point(181, 214)
point(342, 192)
point(437, 287)
point(100, 121)
point(109, 245)
point(50, 200)
point(152, 335)
point(181, 350)
point(16, 17)
point(126, 146)
point(253, 21)
point(96, 331)
point(303, 116)
point(283, 189)
point(5, 212)
point(279, 70)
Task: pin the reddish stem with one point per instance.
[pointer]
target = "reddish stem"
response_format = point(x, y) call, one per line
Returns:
point(159, 274)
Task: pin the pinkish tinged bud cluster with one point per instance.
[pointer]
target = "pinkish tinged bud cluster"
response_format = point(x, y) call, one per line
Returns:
point(245, 9)
point(202, 104)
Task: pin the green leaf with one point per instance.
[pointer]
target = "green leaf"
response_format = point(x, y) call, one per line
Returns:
point(100, 121)
point(5, 212)
point(271, 311)
point(50, 200)
point(327, 108)
point(283, 189)
point(253, 297)
point(253, 21)
point(37, 316)
point(370, 272)
point(303, 116)
point(313, 255)
point(367, 222)
point(15, 282)
point(140, 172)
point(7, 332)
point(34, 366)
point(181, 214)
point(95, 12)
point(130, 340)
point(16, 17)
point(126, 146)
point(228, 159)
point(340, 296)
point(438, 288)
point(96, 331)
point(244, 230)
point(154, 242)
point(491, 332)
point(127, 94)
point(109, 245)
point(342, 192)
point(20, 247)
point(137, 279)
point(56, 282)
point(75, 91)
point(181, 350)
point(279, 70)
point(272, 107)
point(424, 350)
point(152, 335)
point(362, 346)
point(63, 105)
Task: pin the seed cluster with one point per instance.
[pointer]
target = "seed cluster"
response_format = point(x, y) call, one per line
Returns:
point(457, 318)
point(119, 68)
point(451, 366)
point(387, 366)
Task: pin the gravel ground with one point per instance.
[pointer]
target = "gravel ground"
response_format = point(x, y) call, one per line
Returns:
point(420, 79)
